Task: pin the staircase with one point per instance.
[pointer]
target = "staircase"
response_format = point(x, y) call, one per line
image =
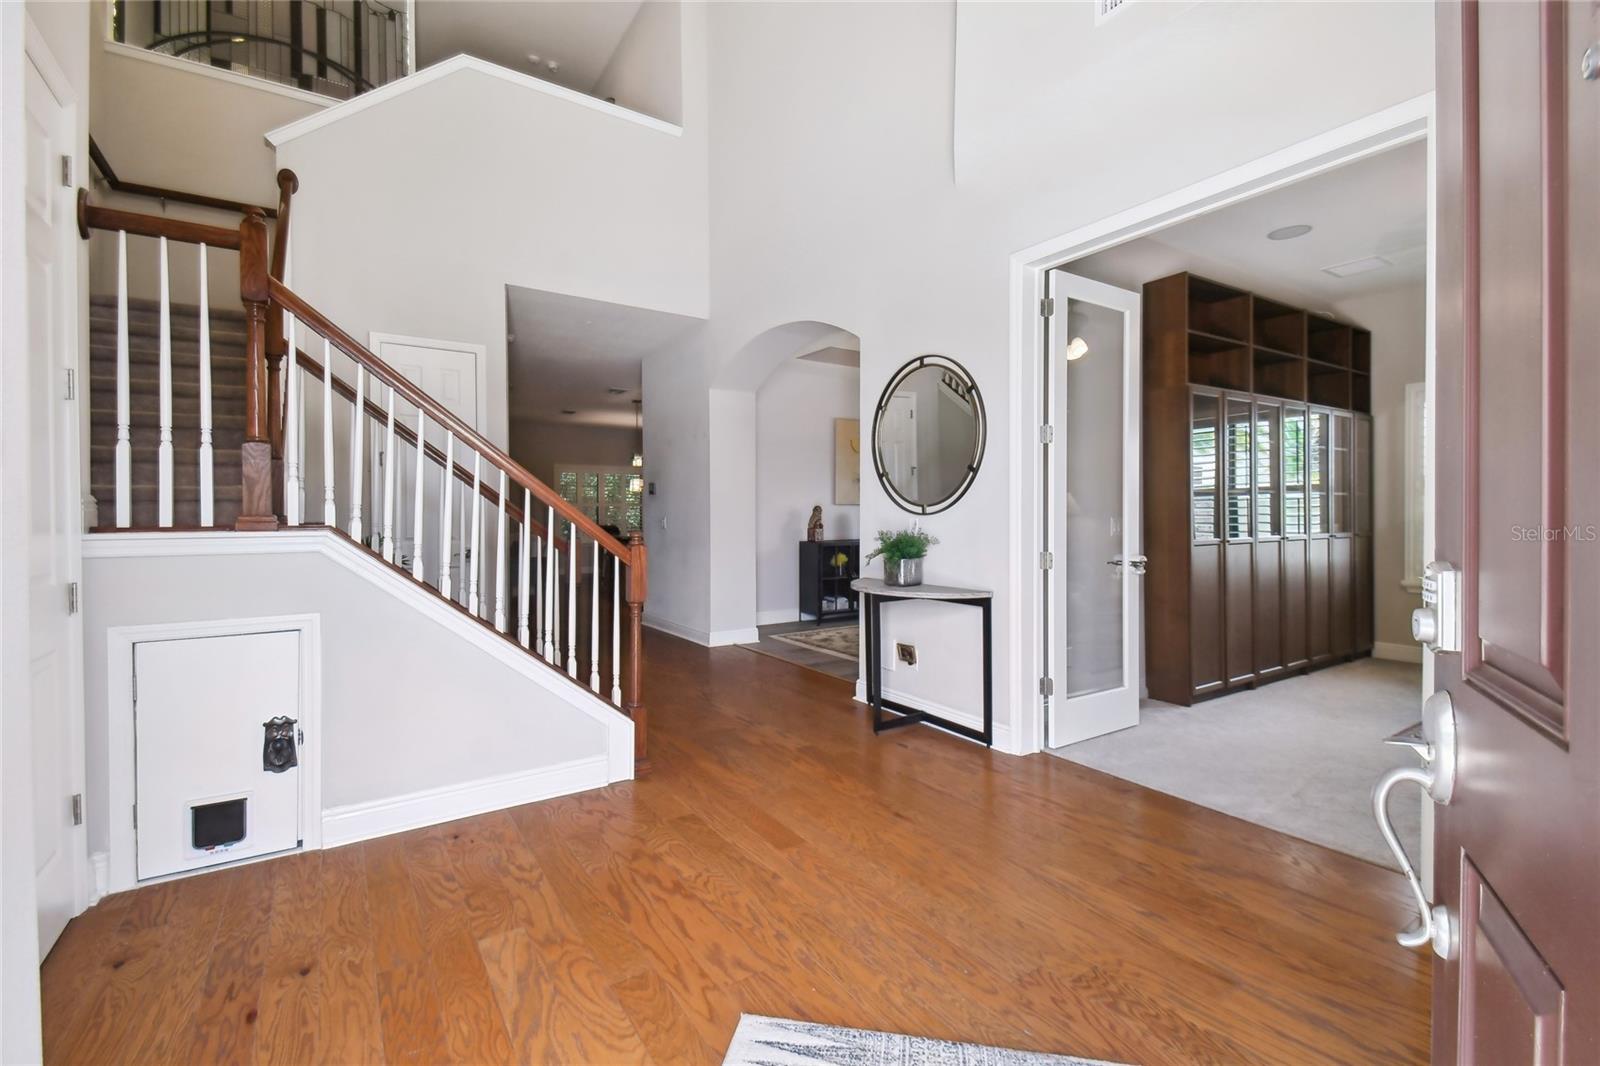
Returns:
point(299, 412)
point(144, 395)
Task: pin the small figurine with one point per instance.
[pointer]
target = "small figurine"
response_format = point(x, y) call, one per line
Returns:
point(814, 527)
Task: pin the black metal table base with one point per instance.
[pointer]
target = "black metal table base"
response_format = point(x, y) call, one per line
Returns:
point(905, 715)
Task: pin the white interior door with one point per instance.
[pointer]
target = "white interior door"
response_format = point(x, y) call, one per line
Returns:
point(205, 793)
point(452, 373)
point(898, 442)
point(55, 634)
point(1095, 585)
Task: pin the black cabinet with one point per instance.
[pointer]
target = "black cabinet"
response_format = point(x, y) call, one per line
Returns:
point(826, 569)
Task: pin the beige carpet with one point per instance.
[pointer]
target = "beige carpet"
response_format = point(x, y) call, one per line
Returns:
point(1300, 756)
point(838, 641)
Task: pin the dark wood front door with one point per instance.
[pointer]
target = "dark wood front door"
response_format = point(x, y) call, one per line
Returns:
point(1517, 850)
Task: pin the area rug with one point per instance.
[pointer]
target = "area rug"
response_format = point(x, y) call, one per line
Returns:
point(763, 1041)
point(839, 641)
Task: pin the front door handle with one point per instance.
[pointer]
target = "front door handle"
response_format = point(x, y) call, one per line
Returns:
point(1437, 777)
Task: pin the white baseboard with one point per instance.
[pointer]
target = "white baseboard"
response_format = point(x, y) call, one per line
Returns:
point(364, 821)
point(1399, 653)
point(777, 617)
point(716, 639)
point(1002, 731)
point(99, 876)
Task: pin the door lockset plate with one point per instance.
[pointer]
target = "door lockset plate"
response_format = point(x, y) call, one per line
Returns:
point(1437, 623)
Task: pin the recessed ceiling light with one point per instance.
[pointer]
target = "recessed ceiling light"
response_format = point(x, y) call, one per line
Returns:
point(568, 411)
point(237, 40)
point(615, 391)
point(1357, 266)
point(1288, 233)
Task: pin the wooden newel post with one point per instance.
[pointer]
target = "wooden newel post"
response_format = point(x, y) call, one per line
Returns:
point(277, 344)
point(255, 510)
point(632, 696)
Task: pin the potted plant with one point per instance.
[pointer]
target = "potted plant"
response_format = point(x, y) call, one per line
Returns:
point(902, 553)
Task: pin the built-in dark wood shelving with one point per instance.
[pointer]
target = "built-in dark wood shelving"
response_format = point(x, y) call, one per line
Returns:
point(1257, 502)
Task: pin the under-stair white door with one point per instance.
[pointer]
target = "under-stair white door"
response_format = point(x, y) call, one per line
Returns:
point(55, 636)
point(201, 766)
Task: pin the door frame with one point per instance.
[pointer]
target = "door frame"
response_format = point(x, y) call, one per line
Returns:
point(480, 360)
point(121, 785)
point(1401, 124)
point(74, 258)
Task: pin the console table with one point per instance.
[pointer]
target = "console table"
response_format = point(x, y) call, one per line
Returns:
point(876, 593)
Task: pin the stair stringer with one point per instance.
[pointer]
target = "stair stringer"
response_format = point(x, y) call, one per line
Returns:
point(123, 573)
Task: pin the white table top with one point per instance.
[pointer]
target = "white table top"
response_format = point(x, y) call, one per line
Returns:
point(874, 586)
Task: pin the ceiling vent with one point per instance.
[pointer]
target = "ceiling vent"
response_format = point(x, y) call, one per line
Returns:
point(1357, 266)
point(1104, 9)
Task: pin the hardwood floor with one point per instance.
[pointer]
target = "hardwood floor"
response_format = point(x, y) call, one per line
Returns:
point(774, 862)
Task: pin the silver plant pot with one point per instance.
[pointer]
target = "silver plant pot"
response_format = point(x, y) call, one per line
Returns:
point(903, 573)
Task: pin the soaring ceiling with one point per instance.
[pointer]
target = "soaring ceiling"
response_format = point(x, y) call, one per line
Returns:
point(579, 37)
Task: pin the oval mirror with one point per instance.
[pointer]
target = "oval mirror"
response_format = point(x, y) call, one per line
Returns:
point(928, 434)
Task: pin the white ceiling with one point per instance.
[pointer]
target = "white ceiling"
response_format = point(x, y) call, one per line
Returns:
point(580, 36)
point(567, 352)
point(1377, 206)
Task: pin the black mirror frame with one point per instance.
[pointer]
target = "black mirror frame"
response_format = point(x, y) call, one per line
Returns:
point(981, 427)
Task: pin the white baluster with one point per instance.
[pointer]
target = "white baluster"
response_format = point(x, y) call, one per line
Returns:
point(500, 560)
point(616, 631)
point(572, 600)
point(164, 448)
point(358, 434)
point(446, 496)
point(538, 593)
point(551, 583)
point(388, 484)
point(292, 429)
point(124, 452)
point(477, 534)
point(594, 621)
point(522, 571)
point(330, 509)
point(207, 468)
point(416, 509)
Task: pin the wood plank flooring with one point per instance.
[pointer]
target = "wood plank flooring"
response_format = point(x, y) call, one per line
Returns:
point(780, 859)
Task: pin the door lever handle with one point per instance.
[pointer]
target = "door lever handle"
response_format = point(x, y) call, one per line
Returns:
point(1437, 778)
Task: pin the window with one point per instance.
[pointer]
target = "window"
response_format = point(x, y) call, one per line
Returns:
point(601, 493)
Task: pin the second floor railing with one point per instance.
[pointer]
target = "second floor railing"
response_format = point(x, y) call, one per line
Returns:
point(333, 47)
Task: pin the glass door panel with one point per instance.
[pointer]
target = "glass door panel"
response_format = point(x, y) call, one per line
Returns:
point(1268, 466)
point(1204, 453)
point(1294, 471)
point(1241, 472)
point(1317, 475)
point(1339, 472)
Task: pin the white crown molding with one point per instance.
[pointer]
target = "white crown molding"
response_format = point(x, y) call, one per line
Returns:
point(364, 821)
point(331, 546)
point(456, 64)
point(128, 51)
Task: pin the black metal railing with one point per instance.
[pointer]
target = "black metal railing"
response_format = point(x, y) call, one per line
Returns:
point(333, 47)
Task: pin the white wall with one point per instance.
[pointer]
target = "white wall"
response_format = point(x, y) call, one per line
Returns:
point(422, 201)
point(1398, 321)
point(543, 446)
point(835, 199)
point(795, 411)
point(646, 71)
point(407, 702)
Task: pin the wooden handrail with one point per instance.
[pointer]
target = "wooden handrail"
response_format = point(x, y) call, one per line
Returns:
point(175, 196)
point(288, 185)
point(325, 328)
point(106, 218)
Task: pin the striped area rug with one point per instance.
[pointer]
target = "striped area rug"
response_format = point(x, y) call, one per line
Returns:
point(761, 1041)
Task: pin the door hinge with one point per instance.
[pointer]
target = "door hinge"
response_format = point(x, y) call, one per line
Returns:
point(77, 808)
point(1047, 434)
point(1047, 560)
point(1047, 306)
point(72, 597)
point(72, 383)
point(1047, 686)
point(66, 171)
